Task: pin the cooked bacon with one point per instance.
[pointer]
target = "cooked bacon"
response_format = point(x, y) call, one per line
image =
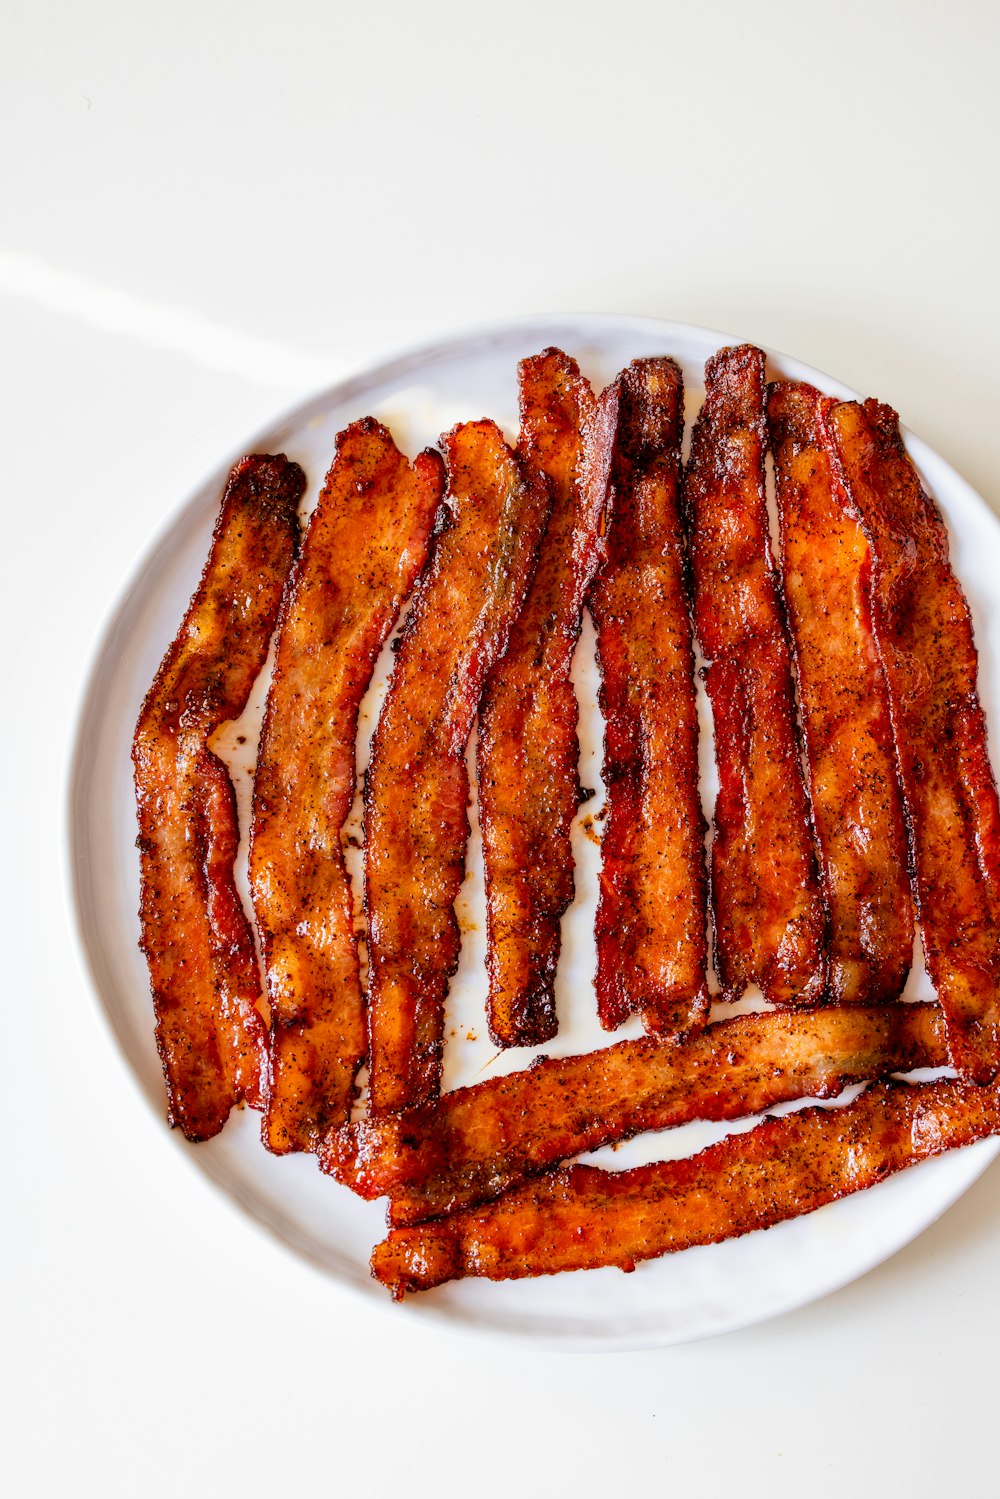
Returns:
point(856, 802)
point(767, 907)
point(651, 917)
point(474, 1143)
point(367, 541)
point(416, 795)
point(196, 938)
point(529, 787)
point(581, 1218)
point(924, 635)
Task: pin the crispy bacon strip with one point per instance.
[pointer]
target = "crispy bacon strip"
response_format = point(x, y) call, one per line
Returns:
point(367, 541)
point(197, 941)
point(766, 903)
point(924, 634)
point(474, 1143)
point(651, 916)
point(416, 796)
point(529, 787)
point(856, 802)
point(581, 1217)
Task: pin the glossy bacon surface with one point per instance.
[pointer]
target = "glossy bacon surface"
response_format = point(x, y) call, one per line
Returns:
point(767, 908)
point(416, 795)
point(367, 540)
point(582, 1218)
point(474, 1143)
point(652, 912)
point(856, 802)
point(924, 634)
point(195, 936)
point(529, 787)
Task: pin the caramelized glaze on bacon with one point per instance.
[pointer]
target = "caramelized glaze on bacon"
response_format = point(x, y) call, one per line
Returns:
point(367, 541)
point(529, 787)
point(856, 802)
point(474, 1143)
point(651, 916)
point(416, 795)
point(767, 908)
point(924, 634)
point(581, 1218)
point(196, 938)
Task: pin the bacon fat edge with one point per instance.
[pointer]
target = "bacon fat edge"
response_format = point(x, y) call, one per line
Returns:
point(651, 917)
point(474, 1143)
point(529, 787)
point(416, 795)
point(196, 938)
point(584, 1218)
point(767, 909)
point(366, 542)
point(856, 801)
point(924, 634)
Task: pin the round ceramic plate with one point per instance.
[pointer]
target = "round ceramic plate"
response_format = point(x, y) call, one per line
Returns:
point(691, 1295)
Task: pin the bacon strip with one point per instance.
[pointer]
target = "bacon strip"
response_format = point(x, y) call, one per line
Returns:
point(766, 904)
point(652, 914)
point(474, 1143)
point(856, 802)
point(196, 938)
point(582, 1218)
point(529, 787)
point(367, 541)
point(416, 818)
point(924, 634)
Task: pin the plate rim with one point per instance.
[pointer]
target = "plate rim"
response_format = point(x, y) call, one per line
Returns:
point(84, 709)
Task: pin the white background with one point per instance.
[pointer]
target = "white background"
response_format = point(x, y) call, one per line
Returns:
point(208, 211)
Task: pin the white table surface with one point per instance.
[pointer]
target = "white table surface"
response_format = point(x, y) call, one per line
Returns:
point(209, 210)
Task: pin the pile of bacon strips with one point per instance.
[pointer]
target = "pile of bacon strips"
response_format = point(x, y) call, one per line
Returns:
point(856, 797)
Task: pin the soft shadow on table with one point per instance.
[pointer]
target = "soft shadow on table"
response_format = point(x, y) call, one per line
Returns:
point(957, 1241)
point(965, 1227)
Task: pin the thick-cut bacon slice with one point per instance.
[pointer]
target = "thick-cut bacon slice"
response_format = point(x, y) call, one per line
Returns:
point(581, 1218)
point(924, 634)
point(651, 917)
point(416, 795)
point(529, 787)
point(477, 1142)
point(196, 938)
point(767, 908)
point(367, 541)
point(856, 802)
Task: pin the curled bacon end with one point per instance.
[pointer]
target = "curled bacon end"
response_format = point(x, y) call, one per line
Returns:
point(474, 1143)
point(416, 796)
point(196, 938)
point(366, 542)
point(651, 916)
point(582, 1218)
point(924, 634)
point(856, 802)
point(529, 788)
point(767, 907)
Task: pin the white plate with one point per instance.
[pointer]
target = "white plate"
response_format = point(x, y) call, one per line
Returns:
point(691, 1295)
